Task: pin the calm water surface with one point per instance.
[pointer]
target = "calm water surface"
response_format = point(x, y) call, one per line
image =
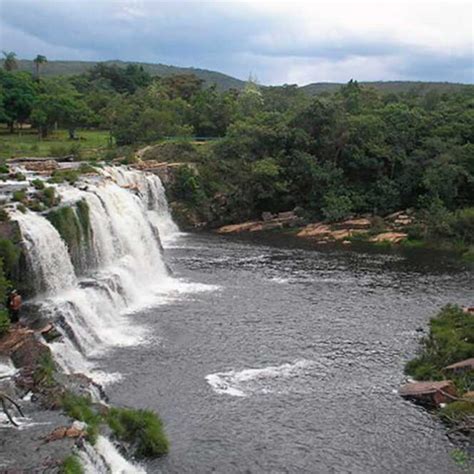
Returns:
point(290, 361)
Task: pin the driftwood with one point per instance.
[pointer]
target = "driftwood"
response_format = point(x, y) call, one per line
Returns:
point(3, 399)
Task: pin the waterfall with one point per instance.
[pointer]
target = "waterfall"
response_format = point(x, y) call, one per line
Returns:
point(104, 458)
point(152, 191)
point(127, 215)
point(92, 261)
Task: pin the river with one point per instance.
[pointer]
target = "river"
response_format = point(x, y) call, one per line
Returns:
point(287, 358)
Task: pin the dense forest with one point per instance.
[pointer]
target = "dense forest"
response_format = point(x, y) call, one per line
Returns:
point(349, 152)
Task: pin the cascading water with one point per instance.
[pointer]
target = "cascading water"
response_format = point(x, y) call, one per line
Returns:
point(127, 215)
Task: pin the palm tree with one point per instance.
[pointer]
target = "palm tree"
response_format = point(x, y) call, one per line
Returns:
point(39, 60)
point(9, 63)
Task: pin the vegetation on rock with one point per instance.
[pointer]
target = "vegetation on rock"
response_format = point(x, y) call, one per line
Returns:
point(450, 340)
point(71, 465)
point(142, 428)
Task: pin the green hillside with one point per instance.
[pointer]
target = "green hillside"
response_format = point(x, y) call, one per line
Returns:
point(388, 87)
point(69, 68)
point(225, 82)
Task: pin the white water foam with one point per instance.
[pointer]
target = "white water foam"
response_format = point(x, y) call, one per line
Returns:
point(128, 215)
point(7, 369)
point(104, 458)
point(253, 381)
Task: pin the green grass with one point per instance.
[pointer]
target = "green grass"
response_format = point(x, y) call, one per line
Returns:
point(451, 339)
point(71, 465)
point(142, 428)
point(80, 408)
point(28, 143)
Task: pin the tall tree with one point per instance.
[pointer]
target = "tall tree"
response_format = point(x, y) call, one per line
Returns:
point(39, 60)
point(9, 63)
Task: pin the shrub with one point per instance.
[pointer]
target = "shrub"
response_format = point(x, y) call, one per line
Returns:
point(19, 196)
point(19, 177)
point(458, 411)
point(38, 184)
point(4, 321)
point(71, 465)
point(60, 176)
point(44, 373)
point(142, 428)
point(49, 197)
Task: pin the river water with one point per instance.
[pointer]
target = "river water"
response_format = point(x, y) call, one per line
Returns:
point(287, 358)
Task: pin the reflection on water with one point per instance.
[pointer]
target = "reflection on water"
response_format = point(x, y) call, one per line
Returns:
point(293, 362)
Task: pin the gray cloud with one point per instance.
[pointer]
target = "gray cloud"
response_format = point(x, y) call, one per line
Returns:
point(224, 37)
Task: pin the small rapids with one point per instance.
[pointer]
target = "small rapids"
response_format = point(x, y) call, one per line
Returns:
point(254, 381)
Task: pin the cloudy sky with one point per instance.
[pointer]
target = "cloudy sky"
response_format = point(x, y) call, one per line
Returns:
point(276, 41)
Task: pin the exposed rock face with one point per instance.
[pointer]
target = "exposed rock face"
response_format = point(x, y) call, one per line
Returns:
point(24, 347)
point(430, 392)
point(361, 223)
point(269, 222)
point(76, 430)
point(46, 166)
point(391, 237)
point(165, 171)
point(390, 230)
point(324, 232)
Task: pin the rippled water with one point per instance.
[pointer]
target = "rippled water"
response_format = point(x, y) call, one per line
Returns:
point(293, 363)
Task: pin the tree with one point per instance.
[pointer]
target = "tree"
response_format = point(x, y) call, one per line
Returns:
point(9, 63)
point(39, 60)
point(19, 94)
point(67, 110)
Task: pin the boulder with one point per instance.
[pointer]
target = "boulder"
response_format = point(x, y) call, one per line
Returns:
point(76, 430)
point(24, 347)
point(244, 227)
point(267, 216)
point(317, 230)
point(360, 223)
point(391, 237)
point(46, 166)
point(429, 393)
point(340, 234)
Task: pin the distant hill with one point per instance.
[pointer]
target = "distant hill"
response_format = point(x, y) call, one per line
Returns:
point(225, 82)
point(388, 86)
point(69, 68)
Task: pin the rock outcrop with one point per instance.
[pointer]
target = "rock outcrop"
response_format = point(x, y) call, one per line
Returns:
point(371, 229)
point(269, 221)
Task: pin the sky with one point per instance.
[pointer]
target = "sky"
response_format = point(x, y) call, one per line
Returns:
point(275, 41)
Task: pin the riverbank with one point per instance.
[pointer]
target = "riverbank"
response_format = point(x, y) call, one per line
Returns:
point(400, 229)
point(443, 373)
point(293, 360)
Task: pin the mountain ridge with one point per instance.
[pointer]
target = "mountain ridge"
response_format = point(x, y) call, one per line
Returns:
point(226, 82)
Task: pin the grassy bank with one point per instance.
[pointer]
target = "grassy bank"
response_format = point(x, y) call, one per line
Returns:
point(450, 340)
point(27, 142)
